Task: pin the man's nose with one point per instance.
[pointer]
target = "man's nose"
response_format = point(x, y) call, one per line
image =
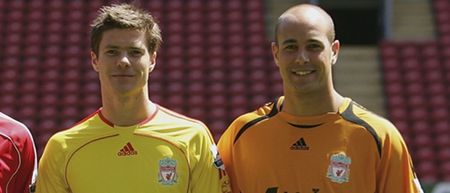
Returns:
point(302, 57)
point(124, 61)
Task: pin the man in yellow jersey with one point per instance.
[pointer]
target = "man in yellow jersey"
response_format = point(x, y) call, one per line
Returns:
point(312, 139)
point(130, 144)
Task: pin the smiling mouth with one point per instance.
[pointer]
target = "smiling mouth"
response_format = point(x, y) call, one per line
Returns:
point(304, 72)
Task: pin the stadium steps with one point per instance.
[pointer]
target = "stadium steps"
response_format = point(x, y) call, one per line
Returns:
point(412, 20)
point(357, 75)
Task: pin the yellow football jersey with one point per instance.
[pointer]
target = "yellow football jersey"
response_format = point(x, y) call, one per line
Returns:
point(167, 153)
point(351, 151)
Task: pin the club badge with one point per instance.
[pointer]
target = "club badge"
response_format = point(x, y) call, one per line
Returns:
point(167, 174)
point(217, 161)
point(339, 168)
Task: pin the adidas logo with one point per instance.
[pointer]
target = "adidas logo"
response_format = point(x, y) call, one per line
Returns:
point(127, 150)
point(300, 145)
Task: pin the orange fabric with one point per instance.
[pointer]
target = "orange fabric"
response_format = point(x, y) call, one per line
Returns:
point(335, 152)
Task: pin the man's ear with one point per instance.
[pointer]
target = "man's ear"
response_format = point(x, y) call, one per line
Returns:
point(152, 62)
point(275, 52)
point(94, 61)
point(335, 46)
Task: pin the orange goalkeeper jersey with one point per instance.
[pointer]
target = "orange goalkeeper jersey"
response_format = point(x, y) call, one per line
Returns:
point(168, 153)
point(352, 151)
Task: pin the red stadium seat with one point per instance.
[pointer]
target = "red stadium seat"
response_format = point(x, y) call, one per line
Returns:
point(216, 88)
point(254, 16)
point(426, 153)
point(216, 76)
point(254, 5)
point(445, 170)
point(175, 88)
point(15, 15)
point(443, 141)
point(175, 75)
point(195, 27)
point(196, 40)
point(214, 5)
point(197, 113)
point(234, 16)
point(217, 101)
point(155, 6)
point(196, 101)
point(444, 154)
point(194, 6)
point(75, 5)
point(174, 27)
point(427, 171)
point(31, 87)
point(175, 5)
point(442, 127)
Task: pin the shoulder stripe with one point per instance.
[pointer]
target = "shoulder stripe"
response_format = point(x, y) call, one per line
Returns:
point(180, 116)
point(273, 112)
point(349, 115)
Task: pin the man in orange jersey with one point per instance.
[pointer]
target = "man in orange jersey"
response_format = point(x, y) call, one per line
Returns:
point(130, 144)
point(17, 156)
point(312, 139)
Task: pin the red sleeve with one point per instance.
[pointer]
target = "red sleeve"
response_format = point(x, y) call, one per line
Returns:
point(17, 157)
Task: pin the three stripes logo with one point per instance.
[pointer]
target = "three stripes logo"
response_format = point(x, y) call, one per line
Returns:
point(300, 145)
point(127, 150)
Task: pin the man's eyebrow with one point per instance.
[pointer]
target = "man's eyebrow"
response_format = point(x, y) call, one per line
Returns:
point(118, 47)
point(135, 48)
point(111, 46)
point(288, 41)
point(314, 41)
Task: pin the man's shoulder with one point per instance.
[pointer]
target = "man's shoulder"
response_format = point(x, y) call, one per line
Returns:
point(376, 124)
point(175, 118)
point(13, 128)
point(87, 128)
point(263, 112)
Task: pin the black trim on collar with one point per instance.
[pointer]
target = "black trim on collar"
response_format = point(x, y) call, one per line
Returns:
point(273, 112)
point(305, 126)
point(349, 115)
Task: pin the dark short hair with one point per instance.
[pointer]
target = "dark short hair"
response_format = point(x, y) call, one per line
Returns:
point(125, 16)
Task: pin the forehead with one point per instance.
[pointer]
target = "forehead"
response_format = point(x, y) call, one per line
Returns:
point(292, 27)
point(123, 38)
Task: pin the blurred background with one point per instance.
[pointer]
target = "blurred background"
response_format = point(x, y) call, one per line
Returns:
point(215, 64)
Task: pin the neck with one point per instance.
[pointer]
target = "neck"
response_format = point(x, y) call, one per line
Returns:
point(127, 110)
point(312, 104)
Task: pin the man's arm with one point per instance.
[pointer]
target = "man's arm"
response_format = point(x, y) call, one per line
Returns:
point(396, 172)
point(225, 147)
point(208, 174)
point(28, 168)
point(51, 178)
point(17, 155)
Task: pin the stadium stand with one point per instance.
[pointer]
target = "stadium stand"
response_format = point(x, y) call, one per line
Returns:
point(214, 57)
point(418, 93)
point(214, 65)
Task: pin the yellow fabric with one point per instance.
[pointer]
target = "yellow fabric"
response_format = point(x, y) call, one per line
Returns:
point(326, 153)
point(168, 153)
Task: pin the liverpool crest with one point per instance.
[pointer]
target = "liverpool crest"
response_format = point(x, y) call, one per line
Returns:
point(339, 168)
point(167, 174)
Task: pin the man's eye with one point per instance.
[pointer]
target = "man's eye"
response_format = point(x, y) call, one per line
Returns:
point(290, 47)
point(314, 47)
point(136, 53)
point(112, 52)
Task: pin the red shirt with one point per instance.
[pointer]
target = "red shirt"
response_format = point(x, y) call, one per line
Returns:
point(17, 156)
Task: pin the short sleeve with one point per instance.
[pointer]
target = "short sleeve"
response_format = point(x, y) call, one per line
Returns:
point(51, 177)
point(208, 174)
